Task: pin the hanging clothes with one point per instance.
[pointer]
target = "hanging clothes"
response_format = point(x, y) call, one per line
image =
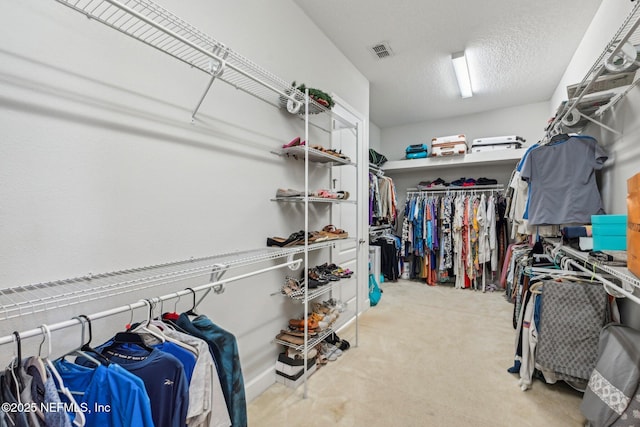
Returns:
point(224, 349)
point(163, 376)
point(129, 403)
point(207, 406)
point(382, 200)
point(452, 234)
point(562, 181)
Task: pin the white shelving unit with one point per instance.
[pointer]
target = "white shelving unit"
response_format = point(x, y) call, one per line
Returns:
point(488, 158)
point(309, 155)
point(613, 53)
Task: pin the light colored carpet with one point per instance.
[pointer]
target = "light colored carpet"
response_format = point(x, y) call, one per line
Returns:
point(427, 356)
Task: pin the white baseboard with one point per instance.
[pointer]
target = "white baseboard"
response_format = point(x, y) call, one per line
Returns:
point(260, 383)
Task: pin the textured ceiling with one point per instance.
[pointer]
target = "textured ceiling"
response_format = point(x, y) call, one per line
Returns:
point(517, 51)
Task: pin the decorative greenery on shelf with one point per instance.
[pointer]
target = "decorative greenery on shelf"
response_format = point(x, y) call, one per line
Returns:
point(318, 95)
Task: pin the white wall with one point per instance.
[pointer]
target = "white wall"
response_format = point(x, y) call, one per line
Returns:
point(375, 140)
point(623, 150)
point(526, 121)
point(101, 169)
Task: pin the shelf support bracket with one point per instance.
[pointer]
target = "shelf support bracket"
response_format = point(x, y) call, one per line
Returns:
point(217, 68)
point(610, 129)
point(216, 274)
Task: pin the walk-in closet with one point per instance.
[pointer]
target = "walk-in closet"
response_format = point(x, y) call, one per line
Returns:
point(319, 213)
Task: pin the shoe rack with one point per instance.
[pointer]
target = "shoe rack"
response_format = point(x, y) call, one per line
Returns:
point(310, 155)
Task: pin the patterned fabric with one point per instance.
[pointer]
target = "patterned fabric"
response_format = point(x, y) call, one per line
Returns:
point(608, 393)
point(612, 397)
point(571, 317)
point(631, 417)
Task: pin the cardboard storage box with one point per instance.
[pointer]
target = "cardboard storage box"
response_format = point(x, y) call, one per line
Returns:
point(609, 232)
point(633, 224)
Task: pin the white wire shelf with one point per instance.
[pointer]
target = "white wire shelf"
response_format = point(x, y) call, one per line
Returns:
point(312, 340)
point(157, 27)
point(34, 298)
point(314, 293)
point(301, 199)
point(621, 273)
point(628, 34)
point(299, 152)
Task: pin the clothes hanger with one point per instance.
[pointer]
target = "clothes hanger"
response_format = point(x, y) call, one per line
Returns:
point(79, 419)
point(192, 311)
point(15, 365)
point(86, 348)
point(130, 337)
point(148, 327)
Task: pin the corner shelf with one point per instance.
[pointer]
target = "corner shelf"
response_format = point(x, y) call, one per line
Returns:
point(487, 158)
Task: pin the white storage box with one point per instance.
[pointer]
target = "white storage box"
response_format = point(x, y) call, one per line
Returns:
point(448, 145)
point(496, 143)
point(294, 381)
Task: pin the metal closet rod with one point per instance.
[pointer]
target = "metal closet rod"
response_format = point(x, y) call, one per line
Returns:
point(9, 339)
point(470, 190)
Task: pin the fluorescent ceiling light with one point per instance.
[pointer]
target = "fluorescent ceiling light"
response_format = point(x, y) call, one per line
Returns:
point(462, 74)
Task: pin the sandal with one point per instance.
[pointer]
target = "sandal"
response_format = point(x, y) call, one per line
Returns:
point(290, 286)
point(295, 141)
point(334, 233)
point(281, 242)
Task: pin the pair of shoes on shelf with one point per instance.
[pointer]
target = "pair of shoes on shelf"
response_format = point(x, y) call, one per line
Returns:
point(331, 152)
point(326, 194)
point(288, 192)
point(335, 304)
point(334, 233)
point(294, 142)
point(292, 287)
point(299, 355)
point(329, 351)
point(430, 185)
point(298, 324)
point(458, 182)
point(296, 238)
point(487, 181)
point(293, 239)
point(315, 278)
point(334, 339)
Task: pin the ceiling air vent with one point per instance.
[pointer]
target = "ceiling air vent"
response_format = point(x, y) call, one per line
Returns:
point(381, 50)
